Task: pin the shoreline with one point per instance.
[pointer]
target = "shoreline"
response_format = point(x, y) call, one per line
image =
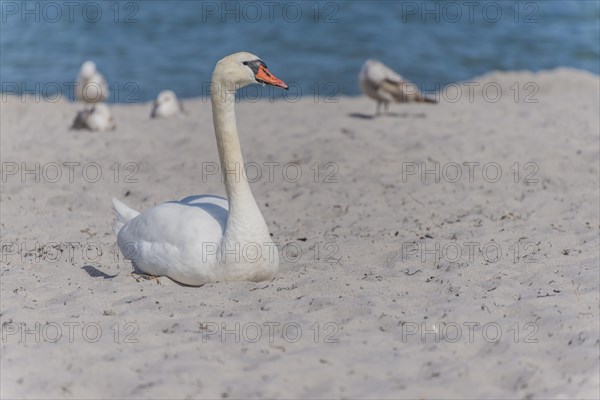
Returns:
point(60, 97)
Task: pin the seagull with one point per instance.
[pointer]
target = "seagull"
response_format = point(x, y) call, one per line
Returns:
point(98, 118)
point(166, 105)
point(384, 86)
point(91, 86)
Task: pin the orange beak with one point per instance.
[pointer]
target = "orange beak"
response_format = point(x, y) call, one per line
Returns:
point(263, 75)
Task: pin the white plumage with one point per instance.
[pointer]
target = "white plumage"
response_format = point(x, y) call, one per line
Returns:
point(166, 105)
point(91, 87)
point(98, 118)
point(207, 238)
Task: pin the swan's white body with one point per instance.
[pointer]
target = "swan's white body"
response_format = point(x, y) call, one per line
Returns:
point(98, 118)
point(383, 85)
point(91, 86)
point(166, 105)
point(203, 239)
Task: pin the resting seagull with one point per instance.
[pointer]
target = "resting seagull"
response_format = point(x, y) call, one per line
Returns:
point(166, 105)
point(98, 118)
point(384, 86)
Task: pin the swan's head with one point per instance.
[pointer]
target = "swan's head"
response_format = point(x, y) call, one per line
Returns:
point(166, 96)
point(88, 69)
point(242, 69)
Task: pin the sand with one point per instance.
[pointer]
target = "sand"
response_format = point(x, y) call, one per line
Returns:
point(364, 306)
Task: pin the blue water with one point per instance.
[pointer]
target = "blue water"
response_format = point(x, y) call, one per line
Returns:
point(143, 47)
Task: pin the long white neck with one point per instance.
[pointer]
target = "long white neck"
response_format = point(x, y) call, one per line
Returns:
point(244, 214)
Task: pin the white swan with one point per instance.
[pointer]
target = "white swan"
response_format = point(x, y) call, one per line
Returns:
point(98, 118)
point(384, 86)
point(166, 105)
point(91, 87)
point(203, 239)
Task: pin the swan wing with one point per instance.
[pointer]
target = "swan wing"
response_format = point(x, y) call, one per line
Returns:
point(177, 239)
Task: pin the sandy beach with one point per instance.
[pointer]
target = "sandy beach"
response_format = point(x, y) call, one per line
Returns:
point(442, 251)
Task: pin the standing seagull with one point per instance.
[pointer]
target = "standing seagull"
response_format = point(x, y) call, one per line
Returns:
point(91, 86)
point(384, 86)
point(166, 105)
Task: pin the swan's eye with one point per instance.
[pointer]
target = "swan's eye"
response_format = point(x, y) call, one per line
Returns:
point(245, 63)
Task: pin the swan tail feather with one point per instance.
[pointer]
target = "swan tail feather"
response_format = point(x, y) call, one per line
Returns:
point(123, 213)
